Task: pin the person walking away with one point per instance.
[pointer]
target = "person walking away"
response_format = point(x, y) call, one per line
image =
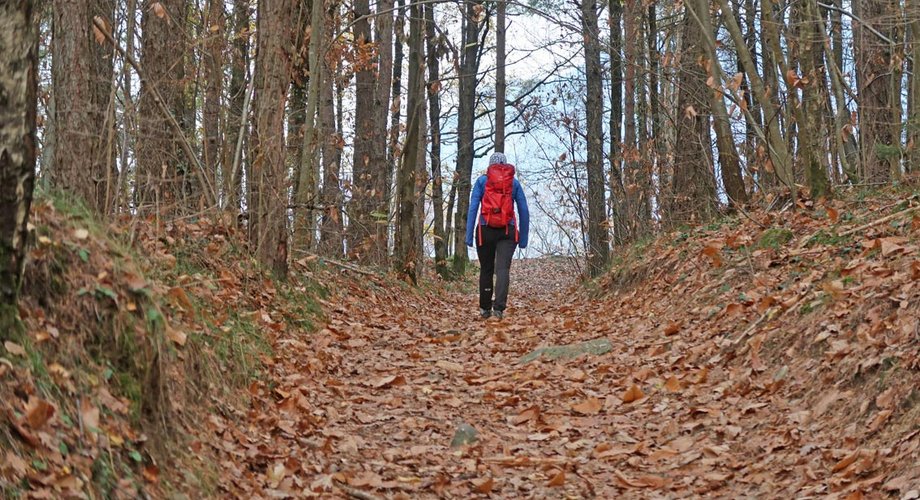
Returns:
point(497, 232)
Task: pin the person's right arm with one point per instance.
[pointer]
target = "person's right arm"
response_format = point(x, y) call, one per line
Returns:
point(472, 217)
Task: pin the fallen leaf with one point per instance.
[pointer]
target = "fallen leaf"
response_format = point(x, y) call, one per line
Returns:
point(177, 336)
point(845, 462)
point(557, 480)
point(151, 473)
point(483, 486)
point(673, 328)
point(14, 348)
point(80, 234)
point(90, 416)
point(526, 415)
point(634, 393)
point(590, 406)
point(388, 381)
point(38, 412)
point(672, 384)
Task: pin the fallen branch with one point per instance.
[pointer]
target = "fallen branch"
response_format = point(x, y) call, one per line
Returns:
point(880, 221)
point(354, 492)
point(524, 461)
point(343, 265)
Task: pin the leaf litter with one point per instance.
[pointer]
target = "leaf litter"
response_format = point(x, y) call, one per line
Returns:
point(733, 369)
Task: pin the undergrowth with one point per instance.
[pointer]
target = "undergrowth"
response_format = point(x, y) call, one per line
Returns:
point(130, 334)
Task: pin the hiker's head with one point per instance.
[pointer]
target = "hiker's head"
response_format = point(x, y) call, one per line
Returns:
point(497, 159)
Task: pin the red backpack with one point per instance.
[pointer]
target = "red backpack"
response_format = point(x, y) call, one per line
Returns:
point(497, 209)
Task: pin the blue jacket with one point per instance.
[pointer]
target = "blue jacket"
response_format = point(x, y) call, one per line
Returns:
point(517, 193)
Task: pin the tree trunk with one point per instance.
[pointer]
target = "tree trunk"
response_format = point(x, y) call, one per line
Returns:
point(729, 162)
point(161, 165)
point(215, 22)
point(405, 248)
point(269, 198)
point(239, 61)
point(809, 49)
point(393, 146)
point(367, 206)
point(775, 150)
point(18, 87)
point(303, 146)
point(82, 79)
point(913, 113)
point(469, 67)
point(332, 226)
point(880, 149)
point(599, 246)
point(617, 186)
point(630, 149)
point(383, 36)
point(500, 84)
point(694, 193)
point(432, 48)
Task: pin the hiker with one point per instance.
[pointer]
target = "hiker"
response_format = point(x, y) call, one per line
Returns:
point(491, 218)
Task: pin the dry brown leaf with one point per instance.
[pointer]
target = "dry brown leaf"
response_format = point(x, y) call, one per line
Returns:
point(526, 415)
point(673, 328)
point(634, 393)
point(483, 486)
point(38, 412)
point(557, 480)
point(14, 348)
point(672, 384)
point(590, 406)
point(714, 253)
point(177, 336)
point(159, 10)
point(388, 381)
point(845, 462)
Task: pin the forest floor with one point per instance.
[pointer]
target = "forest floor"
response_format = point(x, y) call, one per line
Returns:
point(730, 362)
point(766, 355)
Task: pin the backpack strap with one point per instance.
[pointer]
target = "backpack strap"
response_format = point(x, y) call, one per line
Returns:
point(479, 228)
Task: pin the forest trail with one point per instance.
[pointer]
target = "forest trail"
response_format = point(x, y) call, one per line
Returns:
point(369, 406)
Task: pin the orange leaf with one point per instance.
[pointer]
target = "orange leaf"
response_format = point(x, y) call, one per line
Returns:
point(590, 406)
point(483, 486)
point(673, 328)
point(557, 480)
point(532, 413)
point(159, 10)
point(846, 462)
point(38, 412)
point(634, 393)
point(714, 253)
point(672, 384)
point(151, 473)
point(833, 214)
point(388, 381)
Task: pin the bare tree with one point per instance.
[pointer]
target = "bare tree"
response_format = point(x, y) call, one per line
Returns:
point(161, 165)
point(269, 193)
point(18, 87)
point(82, 79)
point(599, 246)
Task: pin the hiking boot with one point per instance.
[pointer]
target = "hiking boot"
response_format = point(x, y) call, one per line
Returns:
point(485, 313)
point(498, 314)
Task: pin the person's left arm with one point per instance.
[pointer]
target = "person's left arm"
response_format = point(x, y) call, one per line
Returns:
point(523, 214)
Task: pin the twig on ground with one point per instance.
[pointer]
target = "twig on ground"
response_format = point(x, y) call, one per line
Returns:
point(343, 265)
point(880, 221)
point(354, 492)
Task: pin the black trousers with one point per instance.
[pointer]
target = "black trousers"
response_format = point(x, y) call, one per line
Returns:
point(495, 251)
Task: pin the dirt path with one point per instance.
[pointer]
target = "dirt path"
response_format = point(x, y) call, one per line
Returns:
point(368, 407)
